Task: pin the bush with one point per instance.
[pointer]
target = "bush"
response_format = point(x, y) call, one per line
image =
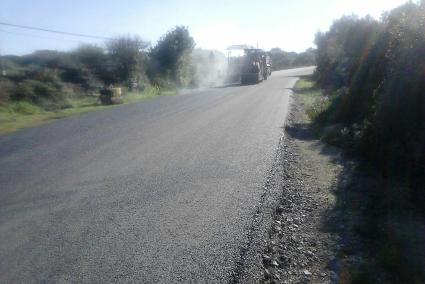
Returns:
point(47, 59)
point(126, 61)
point(46, 78)
point(24, 108)
point(6, 88)
point(377, 64)
point(282, 59)
point(376, 70)
point(44, 94)
point(170, 58)
point(318, 109)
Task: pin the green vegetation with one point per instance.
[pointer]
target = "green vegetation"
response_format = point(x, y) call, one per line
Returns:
point(375, 207)
point(23, 114)
point(284, 60)
point(48, 84)
point(310, 97)
point(51, 84)
point(373, 105)
point(375, 68)
point(171, 58)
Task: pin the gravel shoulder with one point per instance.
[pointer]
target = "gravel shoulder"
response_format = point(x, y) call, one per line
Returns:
point(302, 232)
point(322, 218)
point(301, 247)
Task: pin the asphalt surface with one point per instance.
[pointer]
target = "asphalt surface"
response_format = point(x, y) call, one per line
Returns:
point(159, 191)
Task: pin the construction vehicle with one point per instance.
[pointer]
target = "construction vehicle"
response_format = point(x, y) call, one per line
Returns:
point(256, 66)
point(110, 95)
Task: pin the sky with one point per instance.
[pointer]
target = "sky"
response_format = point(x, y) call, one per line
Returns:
point(288, 24)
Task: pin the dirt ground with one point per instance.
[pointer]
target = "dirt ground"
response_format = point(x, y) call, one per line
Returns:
point(308, 236)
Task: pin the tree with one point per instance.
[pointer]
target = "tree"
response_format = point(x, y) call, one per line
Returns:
point(171, 56)
point(127, 57)
point(282, 59)
point(91, 56)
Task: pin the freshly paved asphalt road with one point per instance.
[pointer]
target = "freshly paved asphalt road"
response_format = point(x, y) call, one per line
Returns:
point(159, 191)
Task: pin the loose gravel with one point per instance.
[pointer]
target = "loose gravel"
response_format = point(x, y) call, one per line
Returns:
point(301, 247)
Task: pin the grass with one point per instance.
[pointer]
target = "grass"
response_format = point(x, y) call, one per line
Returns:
point(320, 108)
point(19, 115)
point(309, 95)
point(304, 84)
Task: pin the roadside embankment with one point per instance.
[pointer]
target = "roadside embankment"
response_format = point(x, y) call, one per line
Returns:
point(305, 240)
point(339, 220)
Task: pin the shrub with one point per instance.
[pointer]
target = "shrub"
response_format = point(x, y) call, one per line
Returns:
point(282, 59)
point(126, 60)
point(46, 95)
point(170, 58)
point(380, 67)
point(319, 107)
point(47, 59)
point(6, 88)
point(23, 107)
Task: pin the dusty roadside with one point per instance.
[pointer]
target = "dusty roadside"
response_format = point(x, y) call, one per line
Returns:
point(338, 220)
point(308, 235)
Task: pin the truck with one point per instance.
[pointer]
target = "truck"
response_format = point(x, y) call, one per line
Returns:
point(256, 66)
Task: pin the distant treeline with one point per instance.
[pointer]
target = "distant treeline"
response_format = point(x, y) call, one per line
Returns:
point(283, 59)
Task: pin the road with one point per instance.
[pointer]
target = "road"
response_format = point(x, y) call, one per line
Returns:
point(159, 191)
